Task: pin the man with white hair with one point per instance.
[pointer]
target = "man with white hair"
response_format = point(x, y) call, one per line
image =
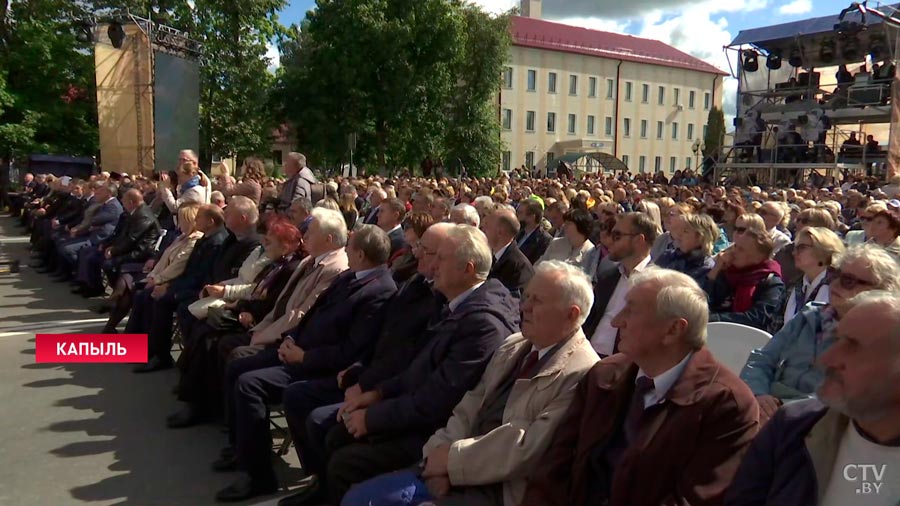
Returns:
point(464, 214)
point(663, 422)
point(498, 432)
point(300, 179)
point(384, 429)
point(772, 214)
point(376, 197)
point(510, 266)
point(832, 450)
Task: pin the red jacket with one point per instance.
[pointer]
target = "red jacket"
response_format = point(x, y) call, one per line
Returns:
point(685, 453)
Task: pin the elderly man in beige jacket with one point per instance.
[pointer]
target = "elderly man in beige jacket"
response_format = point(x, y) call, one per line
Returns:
point(324, 240)
point(497, 433)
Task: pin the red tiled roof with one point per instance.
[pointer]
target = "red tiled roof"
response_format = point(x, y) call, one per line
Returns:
point(541, 34)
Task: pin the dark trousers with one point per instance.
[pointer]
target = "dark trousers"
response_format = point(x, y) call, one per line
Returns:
point(234, 370)
point(354, 461)
point(67, 251)
point(89, 268)
point(200, 380)
point(141, 312)
point(159, 335)
point(310, 408)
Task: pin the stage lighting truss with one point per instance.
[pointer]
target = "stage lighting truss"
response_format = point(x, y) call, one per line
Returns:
point(176, 42)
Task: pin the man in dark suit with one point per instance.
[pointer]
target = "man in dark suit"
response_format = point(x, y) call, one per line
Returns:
point(375, 200)
point(532, 239)
point(311, 406)
point(390, 216)
point(101, 226)
point(510, 266)
point(339, 330)
point(385, 428)
point(154, 306)
point(632, 435)
point(133, 241)
point(632, 238)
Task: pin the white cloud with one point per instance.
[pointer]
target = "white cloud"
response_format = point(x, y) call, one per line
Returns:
point(796, 7)
point(273, 57)
point(601, 24)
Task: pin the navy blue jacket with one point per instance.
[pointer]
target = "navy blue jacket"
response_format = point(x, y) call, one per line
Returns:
point(420, 400)
point(778, 468)
point(536, 244)
point(763, 314)
point(104, 221)
point(343, 323)
point(199, 265)
point(695, 264)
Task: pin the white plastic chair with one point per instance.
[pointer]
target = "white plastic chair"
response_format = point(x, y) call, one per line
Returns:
point(731, 343)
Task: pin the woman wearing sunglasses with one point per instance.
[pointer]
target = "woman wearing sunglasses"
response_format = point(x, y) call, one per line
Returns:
point(745, 284)
point(785, 368)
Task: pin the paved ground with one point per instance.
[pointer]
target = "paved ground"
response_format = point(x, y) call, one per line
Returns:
point(89, 433)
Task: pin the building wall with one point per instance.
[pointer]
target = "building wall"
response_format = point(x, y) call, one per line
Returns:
point(609, 94)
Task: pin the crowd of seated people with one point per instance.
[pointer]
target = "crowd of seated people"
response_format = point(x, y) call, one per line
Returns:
point(496, 341)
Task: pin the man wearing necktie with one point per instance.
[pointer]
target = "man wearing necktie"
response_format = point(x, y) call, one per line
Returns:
point(662, 422)
point(501, 428)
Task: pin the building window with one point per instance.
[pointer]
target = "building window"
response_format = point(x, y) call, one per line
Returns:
point(590, 125)
point(642, 164)
point(692, 95)
point(532, 80)
point(643, 129)
point(645, 93)
point(529, 160)
point(626, 127)
point(706, 101)
point(609, 127)
point(672, 163)
point(625, 160)
point(661, 99)
point(551, 122)
point(675, 130)
point(690, 131)
point(657, 163)
point(550, 158)
point(572, 120)
point(529, 121)
point(592, 87)
point(677, 96)
point(507, 77)
point(276, 157)
point(507, 119)
point(687, 162)
point(610, 88)
point(573, 85)
point(628, 91)
point(551, 83)
point(705, 128)
point(659, 129)
point(507, 160)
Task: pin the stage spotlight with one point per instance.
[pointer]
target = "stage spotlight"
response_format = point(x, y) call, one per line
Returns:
point(773, 61)
point(116, 34)
point(751, 60)
point(796, 58)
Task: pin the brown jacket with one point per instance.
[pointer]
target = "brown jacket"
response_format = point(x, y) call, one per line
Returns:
point(685, 453)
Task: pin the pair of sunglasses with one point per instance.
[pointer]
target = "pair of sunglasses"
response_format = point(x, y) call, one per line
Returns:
point(849, 281)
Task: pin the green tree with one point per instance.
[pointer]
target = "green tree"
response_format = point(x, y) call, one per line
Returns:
point(408, 76)
point(715, 132)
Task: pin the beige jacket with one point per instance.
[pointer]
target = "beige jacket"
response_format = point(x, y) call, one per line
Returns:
point(302, 298)
point(535, 407)
point(174, 259)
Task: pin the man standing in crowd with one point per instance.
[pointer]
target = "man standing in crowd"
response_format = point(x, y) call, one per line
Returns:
point(300, 179)
point(510, 265)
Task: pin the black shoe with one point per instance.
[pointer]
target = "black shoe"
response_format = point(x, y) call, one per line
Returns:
point(154, 364)
point(89, 293)
point(308, 492)
point(245, 488)
point(188, 416)
point(225, 464)
point(78, 290)
point(61, 277)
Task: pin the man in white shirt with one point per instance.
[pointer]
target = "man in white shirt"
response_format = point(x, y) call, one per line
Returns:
point(632, 239)
point(844, 447)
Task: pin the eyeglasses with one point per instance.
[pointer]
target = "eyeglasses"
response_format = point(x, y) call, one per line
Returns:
point(740, 230)
point(616, 235)
point(849, 281)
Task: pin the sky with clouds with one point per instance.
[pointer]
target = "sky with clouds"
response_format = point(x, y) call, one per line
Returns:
point(698, 27)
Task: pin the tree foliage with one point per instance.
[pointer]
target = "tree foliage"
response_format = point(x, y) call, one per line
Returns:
point(715, 132)
point(411, 78)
